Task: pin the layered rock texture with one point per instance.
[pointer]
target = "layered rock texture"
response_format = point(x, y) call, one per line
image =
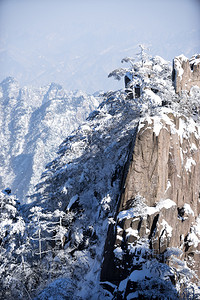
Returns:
point(186, 72)
point(159, 205)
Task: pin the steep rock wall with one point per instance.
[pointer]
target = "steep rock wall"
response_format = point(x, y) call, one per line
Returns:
point(165, 165)
point(186, 73)
point(159, 205)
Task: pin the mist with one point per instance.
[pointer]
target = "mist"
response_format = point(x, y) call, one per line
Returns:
point(77, 43)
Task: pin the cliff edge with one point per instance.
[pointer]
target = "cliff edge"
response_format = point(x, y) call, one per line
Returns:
point(158, 212)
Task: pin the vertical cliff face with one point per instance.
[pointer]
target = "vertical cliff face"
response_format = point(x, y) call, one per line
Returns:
point(186, 72)
point(165, 163)
point(159, 206)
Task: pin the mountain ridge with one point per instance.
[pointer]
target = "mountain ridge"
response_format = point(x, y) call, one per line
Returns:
point(91, 197)
point(33, 124)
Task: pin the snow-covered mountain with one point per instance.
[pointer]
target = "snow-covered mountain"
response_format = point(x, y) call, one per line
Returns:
point(33, 122)
point(116, 213)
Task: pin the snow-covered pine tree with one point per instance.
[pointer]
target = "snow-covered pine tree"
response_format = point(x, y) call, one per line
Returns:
point(12, 253)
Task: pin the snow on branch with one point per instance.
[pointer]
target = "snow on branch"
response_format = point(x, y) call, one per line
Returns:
point(128, 60)
point(118, 73)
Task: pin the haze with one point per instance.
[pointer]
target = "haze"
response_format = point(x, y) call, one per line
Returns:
point(76, 43)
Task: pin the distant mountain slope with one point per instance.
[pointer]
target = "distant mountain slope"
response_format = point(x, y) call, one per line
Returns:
point(33, 122)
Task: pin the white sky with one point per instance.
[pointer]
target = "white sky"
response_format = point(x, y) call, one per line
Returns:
point(78, 42)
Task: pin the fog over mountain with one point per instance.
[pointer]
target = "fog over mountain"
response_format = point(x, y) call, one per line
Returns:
point(77, 43)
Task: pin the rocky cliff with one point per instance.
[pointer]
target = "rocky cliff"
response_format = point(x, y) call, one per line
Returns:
point(159, 206)
point(116, 213)
point(186, 72)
